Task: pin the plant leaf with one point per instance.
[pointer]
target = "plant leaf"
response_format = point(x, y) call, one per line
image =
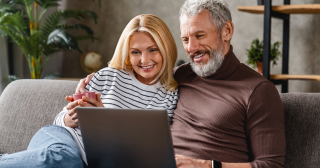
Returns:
point(62, 39)
point(48, 3)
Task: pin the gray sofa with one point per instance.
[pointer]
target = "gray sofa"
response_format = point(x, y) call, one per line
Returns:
point(28, 105)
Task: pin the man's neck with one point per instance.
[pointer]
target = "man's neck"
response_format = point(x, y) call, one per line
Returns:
point(226, 48)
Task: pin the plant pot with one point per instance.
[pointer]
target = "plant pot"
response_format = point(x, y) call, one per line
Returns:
point(260, 2)
point(259, 67)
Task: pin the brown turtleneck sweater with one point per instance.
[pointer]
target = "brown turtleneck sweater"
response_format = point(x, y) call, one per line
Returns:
point(235, 115)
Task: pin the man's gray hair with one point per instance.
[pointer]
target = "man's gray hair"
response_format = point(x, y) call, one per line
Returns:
point(218, 9)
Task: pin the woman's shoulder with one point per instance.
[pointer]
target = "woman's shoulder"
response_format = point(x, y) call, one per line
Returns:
point(167, 93)
point(113, 71)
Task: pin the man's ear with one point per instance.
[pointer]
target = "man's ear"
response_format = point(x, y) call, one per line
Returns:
point(227, 31)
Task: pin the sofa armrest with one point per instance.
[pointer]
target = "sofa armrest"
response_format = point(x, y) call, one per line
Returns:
point(302, 118)
point(26, 106)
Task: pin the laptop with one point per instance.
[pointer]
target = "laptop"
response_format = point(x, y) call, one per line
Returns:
point(121, 138)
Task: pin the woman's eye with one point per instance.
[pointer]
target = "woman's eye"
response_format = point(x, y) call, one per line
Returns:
point(135, 52)
point(153, 50)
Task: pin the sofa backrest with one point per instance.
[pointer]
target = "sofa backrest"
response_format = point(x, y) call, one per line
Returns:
point(302, 114)
point(28, 105)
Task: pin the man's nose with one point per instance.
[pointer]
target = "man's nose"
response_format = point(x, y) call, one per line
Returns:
point(193, 45)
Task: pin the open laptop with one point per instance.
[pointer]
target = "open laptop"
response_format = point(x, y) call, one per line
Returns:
point(121, 138)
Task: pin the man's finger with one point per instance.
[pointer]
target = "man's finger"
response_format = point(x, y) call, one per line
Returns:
point(89, 77)
point(80, 86)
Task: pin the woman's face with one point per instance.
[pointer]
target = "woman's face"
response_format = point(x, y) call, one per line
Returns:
point(145, 57)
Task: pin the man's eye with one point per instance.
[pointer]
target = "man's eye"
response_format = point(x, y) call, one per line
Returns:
point(185, 40)
point(198, 36)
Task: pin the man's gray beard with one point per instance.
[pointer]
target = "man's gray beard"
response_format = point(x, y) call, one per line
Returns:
point(213, 64)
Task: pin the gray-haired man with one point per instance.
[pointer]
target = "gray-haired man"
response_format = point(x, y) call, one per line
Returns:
point(226, 111)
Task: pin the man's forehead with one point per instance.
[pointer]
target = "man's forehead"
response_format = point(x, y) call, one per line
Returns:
point(195, 24)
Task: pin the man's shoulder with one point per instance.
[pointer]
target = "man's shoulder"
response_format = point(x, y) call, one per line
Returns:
point(182, 68)
point(251, 74)
point(253, 79)
point(182, 71)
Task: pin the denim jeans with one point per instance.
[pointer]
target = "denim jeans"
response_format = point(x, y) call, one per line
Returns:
point(52, 146)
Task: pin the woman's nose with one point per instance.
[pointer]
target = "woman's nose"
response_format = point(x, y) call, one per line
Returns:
point(145, 58)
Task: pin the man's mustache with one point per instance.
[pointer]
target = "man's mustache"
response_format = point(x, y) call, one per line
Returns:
point(198, 53)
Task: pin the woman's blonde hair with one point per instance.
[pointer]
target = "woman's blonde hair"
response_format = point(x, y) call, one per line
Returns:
point(159, 31)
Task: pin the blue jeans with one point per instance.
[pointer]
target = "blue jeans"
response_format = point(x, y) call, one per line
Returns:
point(52, 146)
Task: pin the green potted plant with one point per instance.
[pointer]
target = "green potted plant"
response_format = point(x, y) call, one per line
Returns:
point(255, 54)
point(38, 37)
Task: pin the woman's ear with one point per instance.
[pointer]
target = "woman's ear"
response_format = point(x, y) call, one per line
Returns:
point(227, 31)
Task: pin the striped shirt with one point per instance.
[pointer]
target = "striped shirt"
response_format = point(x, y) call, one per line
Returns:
point(121, 89)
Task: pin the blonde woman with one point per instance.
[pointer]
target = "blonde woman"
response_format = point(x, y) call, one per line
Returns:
point(140, 76)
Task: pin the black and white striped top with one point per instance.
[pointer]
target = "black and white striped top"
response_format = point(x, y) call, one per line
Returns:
point(121, 89)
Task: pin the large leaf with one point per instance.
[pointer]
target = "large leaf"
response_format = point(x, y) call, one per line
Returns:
point(13, 24)
point(61, 39)
point(55, 18)
point(87, 29)
point(48, 3)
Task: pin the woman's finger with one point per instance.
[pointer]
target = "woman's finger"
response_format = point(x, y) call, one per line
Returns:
point(85, 104)
point(72, 105)
point(92, 101)
point(71, 112)
point(69, 98)
point(74, 116)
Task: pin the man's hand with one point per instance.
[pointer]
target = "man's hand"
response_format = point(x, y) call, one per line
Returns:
point(186, 162)
point(83, 82)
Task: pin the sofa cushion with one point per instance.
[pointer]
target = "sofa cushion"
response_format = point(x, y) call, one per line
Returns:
point(302, 114)
point(26, 106)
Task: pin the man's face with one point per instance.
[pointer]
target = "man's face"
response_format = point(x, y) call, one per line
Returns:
point(202, 43)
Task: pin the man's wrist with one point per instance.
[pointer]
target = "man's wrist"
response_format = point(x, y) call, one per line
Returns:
point(216, 164)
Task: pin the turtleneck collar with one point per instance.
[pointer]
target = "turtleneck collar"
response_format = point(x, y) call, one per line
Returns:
point(229, 64)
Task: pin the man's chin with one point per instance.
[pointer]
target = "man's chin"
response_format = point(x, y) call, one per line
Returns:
point(198, 69)
point(208, 69)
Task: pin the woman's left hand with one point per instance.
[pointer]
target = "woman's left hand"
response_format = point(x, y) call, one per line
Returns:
point(90, 102)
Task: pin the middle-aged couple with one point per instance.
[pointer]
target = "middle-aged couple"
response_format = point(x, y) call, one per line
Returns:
point(226, 112)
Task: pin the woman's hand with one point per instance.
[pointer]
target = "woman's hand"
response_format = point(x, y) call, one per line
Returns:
point(90, 102)
point(71, 119)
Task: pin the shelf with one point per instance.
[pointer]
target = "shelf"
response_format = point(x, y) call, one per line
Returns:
point(286, 9)
point(294, 77)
